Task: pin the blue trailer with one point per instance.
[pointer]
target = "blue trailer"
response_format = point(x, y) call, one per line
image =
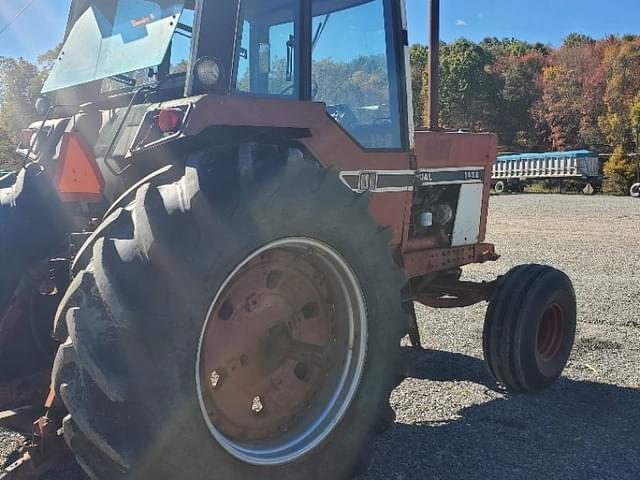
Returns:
point(513, 172)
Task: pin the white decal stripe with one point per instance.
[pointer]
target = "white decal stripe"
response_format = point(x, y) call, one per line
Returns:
point(422, 177)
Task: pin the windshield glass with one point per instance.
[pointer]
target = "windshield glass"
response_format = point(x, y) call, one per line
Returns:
point(113, 38)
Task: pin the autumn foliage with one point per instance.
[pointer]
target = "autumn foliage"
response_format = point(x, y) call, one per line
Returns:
point(584, 94)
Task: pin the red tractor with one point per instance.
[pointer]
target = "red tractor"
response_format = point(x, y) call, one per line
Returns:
point(225, 218)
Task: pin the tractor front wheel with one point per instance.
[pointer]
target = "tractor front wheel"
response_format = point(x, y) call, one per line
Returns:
point(235, 324)
point(530, 328)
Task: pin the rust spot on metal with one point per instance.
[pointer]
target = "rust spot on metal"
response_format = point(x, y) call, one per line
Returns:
point(455, 294)
point(40, 455)
point(418, 264)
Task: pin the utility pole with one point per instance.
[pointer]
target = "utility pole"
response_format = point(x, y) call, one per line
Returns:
point(638, 152)
point(433, 106)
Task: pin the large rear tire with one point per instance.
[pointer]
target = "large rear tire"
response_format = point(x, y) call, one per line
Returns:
point(167, 279)
point(530, 328)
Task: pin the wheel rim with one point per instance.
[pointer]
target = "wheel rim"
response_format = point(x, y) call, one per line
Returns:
point(282, 351)
point(550, 333)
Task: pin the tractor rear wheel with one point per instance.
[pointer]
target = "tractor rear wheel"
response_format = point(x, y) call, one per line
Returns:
point(30, 231)
point(239, 325)
point(530, 328)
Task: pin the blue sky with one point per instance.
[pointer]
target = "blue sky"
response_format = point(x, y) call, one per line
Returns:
point(547, 21)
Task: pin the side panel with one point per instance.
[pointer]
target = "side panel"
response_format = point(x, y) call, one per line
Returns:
point(466, 230)
point(463, 150)
point(455, 149)
point(328, 142)
point(393, 209)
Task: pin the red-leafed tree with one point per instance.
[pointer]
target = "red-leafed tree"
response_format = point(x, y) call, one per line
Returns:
point(519, 77)
point(573, 85)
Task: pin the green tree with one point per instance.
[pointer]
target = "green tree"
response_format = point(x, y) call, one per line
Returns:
point(511, 47)
point(467, 89)
point(419, 81)
point(20, 84)
point(7, 151)
point(361, 83)
point(619, 172)
point(622, 73)
point(47, 60)
point(574, 40)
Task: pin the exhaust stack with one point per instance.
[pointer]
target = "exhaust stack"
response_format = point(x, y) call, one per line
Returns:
point(433, 107)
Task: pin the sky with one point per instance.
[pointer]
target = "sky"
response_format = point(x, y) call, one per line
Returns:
point(548, 21)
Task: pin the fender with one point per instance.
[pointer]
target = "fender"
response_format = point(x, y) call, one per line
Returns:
point(223, 118)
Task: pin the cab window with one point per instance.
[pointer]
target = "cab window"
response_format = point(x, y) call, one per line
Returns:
point(266, 58)
point(353, 62)
point(353, 70)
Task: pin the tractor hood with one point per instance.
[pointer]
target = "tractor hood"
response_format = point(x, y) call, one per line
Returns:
point(113, 38)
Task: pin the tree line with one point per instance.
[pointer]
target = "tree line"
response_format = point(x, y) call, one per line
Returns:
point(582, 94)
point(20, 84)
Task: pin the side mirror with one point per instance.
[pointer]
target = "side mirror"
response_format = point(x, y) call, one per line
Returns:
point(264, 58)
point(42, 105)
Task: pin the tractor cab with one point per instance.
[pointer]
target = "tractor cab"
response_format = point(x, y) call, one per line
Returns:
point(348, 54)
point(154, 81)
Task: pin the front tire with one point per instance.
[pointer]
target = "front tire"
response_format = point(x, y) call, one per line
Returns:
point(136, 329)
point(530, 328)
point(635, 190)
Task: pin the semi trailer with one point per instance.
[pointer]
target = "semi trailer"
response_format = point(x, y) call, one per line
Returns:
point(512, 173)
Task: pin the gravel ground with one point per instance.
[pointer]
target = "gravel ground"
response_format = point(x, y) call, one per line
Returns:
point(452, 421)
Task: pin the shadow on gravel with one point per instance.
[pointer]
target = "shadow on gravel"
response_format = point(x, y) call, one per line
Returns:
point(575, 430)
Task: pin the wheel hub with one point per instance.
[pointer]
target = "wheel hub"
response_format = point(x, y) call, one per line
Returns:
point(281, 351)
point(550, 333)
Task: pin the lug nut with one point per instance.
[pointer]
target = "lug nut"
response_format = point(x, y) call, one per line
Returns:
point(214, 379)
point(257, 406)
